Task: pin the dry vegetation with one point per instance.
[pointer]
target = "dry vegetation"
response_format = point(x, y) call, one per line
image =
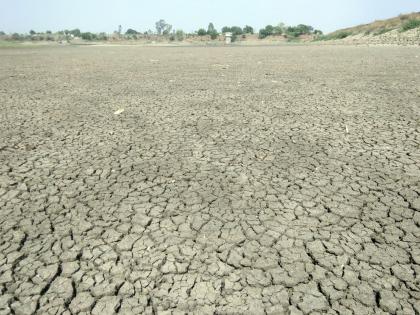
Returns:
point(380, 26)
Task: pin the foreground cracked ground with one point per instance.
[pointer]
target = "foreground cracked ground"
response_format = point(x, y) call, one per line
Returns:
point(259, 180)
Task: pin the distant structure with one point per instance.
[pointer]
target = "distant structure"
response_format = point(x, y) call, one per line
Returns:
point(228, 37)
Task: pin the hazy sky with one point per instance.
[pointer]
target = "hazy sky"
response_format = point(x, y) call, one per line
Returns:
point(189, 15)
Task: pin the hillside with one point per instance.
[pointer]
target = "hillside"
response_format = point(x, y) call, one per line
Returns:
point(403, 30)
point(380, 26)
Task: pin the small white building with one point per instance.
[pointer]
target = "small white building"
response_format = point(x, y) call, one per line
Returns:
point(228, 37)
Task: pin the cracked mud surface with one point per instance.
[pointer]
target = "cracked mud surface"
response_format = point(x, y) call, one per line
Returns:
point(259, 180)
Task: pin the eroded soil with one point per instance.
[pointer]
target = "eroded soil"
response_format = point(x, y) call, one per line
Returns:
point(259, 180)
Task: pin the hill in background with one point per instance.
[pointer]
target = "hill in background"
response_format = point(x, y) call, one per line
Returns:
point(403, 29)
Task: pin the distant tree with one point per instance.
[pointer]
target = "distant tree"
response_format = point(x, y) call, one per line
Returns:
point(167, 29)
point(2, 33)
point(48, 32)
point(131, 31)
point(279, 29)
point(267, 31)
point(211, 30)
point(179, 35)
point(201, 32)
point(102, 36)
point(119, 29)
point(301, 29)
point(88, 36)
point(76, 32)
point(32, 32)
point(162, 27)
point(318, 32)
point(16, 36)
point(236, 30)
point(226, 29)
point(248, 29)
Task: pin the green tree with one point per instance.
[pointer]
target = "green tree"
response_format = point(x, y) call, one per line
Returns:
point(248, 29)
point(236, 30)
point(131, 31)
point(88, 36)
point(179, 35)
point(32, 32)
point(267, 31)
point(16, 36)
point(2, 33)
point(163, 28)
point(211, 29)
point(226, 29)
point(76, 32)
point(201, 32)
point(279, 29)
point(102, 36)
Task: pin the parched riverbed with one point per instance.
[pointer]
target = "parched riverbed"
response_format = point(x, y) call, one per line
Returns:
point(232, 180)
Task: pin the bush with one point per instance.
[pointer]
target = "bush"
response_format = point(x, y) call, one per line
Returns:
point(341, 35)
point(382, 31)
point(409, 25)
point(201, 32)
point(334, 36)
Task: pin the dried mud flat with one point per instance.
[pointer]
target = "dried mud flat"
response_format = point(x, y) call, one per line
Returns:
point(258, 180)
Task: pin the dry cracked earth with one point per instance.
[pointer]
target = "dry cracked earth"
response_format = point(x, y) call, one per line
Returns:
point(257, 180)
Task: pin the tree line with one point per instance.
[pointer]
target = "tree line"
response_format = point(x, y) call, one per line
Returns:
point(164, 29)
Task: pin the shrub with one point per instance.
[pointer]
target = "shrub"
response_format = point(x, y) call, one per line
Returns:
point(201, 32)
point(410, 24)
point(341, 35)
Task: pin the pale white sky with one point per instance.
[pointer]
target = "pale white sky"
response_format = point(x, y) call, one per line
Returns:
point(189, 15)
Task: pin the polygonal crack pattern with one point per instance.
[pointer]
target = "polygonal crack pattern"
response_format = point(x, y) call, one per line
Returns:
point(253, 180)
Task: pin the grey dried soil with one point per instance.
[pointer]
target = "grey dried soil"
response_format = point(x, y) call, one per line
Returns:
point(258, 180)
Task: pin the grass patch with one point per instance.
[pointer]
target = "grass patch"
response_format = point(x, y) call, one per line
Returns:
point(334, 36)
point(410, 24)
point(382, 31)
